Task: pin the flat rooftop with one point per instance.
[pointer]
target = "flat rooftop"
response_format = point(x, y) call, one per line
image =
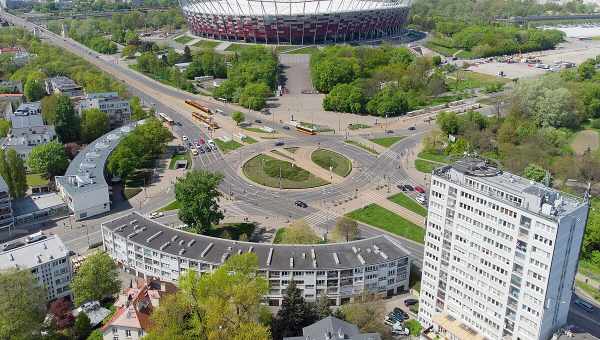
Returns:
point(35, 203)
point(86, 171)
point(485, 176)
point(289, 8)
point(33, 254)
point(138, 229)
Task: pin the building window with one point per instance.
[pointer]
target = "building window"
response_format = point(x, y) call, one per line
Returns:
point(128, 332)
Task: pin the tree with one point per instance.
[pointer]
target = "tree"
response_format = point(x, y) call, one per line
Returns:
point(66, 122)
point(322, 308)
point(94, 123)
point(16, 167)
point(49, 104)
point(345, 98)
point(367, 313)
point(61, 309)
point(238, 117)
point(4, 127)
point(82, 327)
point(5, 172)
point(436, 60)
point(414, 327)
point(254, 96)
point(448, 122)
point(137, 111)
point(300, 232)
point(33, 90)
point(187, 54)
point(96, 279)
point(22, 305)
point(49, 159)
point(224, 304)
point(534, 172)
point(346, 228)
point(388, 102)
point(198, 197)
point(294, 314)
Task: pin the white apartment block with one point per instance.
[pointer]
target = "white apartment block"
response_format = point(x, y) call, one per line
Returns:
point(500, 256)
point(340, 270)
point(47, 258)
point(117, 109)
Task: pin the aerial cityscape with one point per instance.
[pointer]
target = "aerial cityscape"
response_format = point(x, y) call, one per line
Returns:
point(299, 170)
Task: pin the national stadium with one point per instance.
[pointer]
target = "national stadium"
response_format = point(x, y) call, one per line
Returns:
point(295, 21)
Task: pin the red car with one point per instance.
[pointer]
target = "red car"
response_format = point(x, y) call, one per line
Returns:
point(200, 141)
point(419, 189)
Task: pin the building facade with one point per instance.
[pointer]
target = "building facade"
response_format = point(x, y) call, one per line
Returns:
point(83, 187)
point(295, 22)
point(341, 271)
point(49, 261)
point(500, 256)
point(27, 129)
point(6, 213)
point(117, 109)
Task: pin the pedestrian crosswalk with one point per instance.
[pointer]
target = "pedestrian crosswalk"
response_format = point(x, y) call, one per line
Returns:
point(320, 217)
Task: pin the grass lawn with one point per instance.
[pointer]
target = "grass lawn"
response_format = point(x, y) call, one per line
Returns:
point(236, 47)
point(36, 180)
point(409, 203)
point(425, 166)
point(249, 140)
point(380, 217)
point(447, 51)
point(184, 39)
point(588, 269)
point(292, 149)
point(284, 48)
point(590, 290)
point(171, 206)
point(130, 192)
point(433, 156)
point(277, 152)
point(279, 235)
point(208, 44)
point(326, 158)
point(179, 157)
point(265, 170)
point(255, 129)
point(362, 146)
point(386, 142)
point(227, 147)
point(358, 126)
point(472, 80)
point(305, 50)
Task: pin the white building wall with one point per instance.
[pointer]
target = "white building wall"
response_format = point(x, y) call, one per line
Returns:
point(122, 333)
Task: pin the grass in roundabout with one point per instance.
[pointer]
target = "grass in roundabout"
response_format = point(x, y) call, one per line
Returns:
point(265, 170)
point(227, 147)
point(408, 203)
point(326, 158)
point(380, 217)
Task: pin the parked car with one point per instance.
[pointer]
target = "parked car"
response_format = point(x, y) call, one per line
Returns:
point(184, 137)
point(389, 131)
point(421, 199)
point(258, 121)
point(211, 143)
point(419, 189)
point(12, 245)
point(301, 204)
point(399, 311)
point(279, 143)
point(35, 237)
point(393, 318)
point(399, 329)
point(407, 187)
point(410, 302)
point(412, 128)
point(156, 214)
point(195, 152)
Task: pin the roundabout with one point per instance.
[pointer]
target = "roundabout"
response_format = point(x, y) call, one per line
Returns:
point(276, 173)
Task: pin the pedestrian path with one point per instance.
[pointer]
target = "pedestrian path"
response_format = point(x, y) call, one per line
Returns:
point(320, 217)
point(380, 149)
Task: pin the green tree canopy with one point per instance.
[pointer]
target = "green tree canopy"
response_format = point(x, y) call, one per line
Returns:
point(299, 232)
point(238, 117)
point(198, 197)
point(294, 314)
point(388, 102)
point(49, 159)
point(94, 123)
point(534, 172)
point(224, 304)
point(82, 327)
point(4, 127)
point(254, 96)
point(96, 279)
point(346, 229)
point(66, 122)
point(49, 105)
point(12, 170)
point(34, 90)
point(345, 98)
point(22, 305)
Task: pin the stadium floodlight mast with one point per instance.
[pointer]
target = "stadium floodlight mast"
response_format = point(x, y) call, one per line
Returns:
point(295, 21)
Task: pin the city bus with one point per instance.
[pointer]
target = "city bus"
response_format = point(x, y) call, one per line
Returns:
point(163, 116)
point(206, 120)
point(305, 129)
point(199, 106)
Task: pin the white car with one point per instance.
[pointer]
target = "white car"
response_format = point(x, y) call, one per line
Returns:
point(399, 329)
point(211, 143)
point(195, 152)
point(421, 199)
point(156, 214)
point(185, 138)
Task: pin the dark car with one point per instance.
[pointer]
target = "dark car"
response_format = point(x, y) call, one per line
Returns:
point(285, 127)
point(412, 128)
point(390, 131)
point(279, 143)
point(405, 187)
point(408, 187)
point(301, 204)
point(258, 121)
point(398, 311)
point(12, 245)
point(410, 302)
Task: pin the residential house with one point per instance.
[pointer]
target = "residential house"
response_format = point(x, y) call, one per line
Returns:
point(117, 108)
point(332, 328)
point(64, 85)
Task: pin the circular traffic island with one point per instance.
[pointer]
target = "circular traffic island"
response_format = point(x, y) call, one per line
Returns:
point(275, 173)
point(331, 160)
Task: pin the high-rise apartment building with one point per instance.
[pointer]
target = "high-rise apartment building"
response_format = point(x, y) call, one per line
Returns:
point(500, 256)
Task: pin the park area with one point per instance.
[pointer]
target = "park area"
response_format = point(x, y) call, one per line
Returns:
point(380, 217)
point(275, 173)
point(339, 164)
